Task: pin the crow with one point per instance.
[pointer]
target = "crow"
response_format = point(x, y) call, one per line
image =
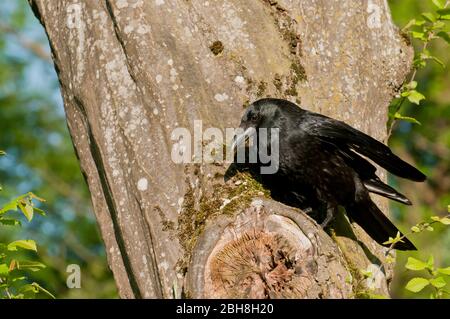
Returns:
point(322, 161)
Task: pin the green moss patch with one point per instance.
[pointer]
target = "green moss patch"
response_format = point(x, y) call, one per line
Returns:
point(224, 199)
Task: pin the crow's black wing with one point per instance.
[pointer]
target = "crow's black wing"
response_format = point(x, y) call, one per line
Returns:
point(346, 139)
point(367, 173)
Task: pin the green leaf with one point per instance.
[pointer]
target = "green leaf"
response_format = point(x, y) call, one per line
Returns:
point(420, 63)
point(438, 25)
point(439, 3)
point(438, 282)
point(398, 238)
point(39, 211)
point(398, 116)
point(409, 24)
point(2, 153)
point(24, 244)
point(430, 263)
point(27, 210)
point(21, 278)
point(413, 22)
point(9, 207)
point(415, 264)
point(444, 271)
point(30, 265)
point(444, 14)
point(444, 35)
point(417, 284)
point(429, 16)
point(445, 11)
point(415, 229)
point(443, 220)
point(412, 85)
point(415, 97)
point(4, 270)
point(418, 35)
point(9, 222)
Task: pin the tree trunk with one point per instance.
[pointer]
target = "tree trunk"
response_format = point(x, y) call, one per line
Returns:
point(131, 71)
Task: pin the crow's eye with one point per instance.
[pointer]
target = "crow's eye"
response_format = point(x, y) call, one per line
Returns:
point(252, 116)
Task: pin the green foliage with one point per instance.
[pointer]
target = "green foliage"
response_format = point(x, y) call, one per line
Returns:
point(41, 157)
point(417, 284)
point(431, 26)
point(25, 204)
point(436, 277)
point(418, 228)
point(426, 146)
point(13, 282)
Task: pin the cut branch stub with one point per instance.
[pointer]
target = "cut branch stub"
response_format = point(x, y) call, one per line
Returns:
point(268, 250)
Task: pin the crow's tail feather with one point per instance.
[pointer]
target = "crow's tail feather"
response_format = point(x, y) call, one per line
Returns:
point(367, 215)
point(376, 186)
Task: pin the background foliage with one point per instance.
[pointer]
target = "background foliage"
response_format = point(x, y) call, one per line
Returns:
point(41, 158)
point(428, 146)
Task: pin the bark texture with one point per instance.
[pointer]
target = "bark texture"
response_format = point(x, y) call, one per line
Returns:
point(131, 71)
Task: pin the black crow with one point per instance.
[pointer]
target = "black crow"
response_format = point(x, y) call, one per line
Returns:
point(320, 160)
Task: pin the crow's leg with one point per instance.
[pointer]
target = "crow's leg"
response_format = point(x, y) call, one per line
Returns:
point(331, 213)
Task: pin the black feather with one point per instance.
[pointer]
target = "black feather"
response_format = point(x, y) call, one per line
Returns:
point(367, 215)
point(378, 187)
point(345, 136)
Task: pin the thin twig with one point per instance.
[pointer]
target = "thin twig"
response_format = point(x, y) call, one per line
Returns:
point(400, 102)
point(421, 226)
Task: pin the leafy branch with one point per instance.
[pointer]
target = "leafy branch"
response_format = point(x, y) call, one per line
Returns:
point(13, 283)
point(427, 29)
point(417, 284)
point(418, 228)
point(437, 279)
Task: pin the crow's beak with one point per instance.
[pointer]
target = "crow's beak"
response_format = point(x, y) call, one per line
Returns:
point(243, 138)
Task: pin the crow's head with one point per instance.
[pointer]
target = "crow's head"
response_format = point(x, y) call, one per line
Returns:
point(260, 114)
point(264, 113)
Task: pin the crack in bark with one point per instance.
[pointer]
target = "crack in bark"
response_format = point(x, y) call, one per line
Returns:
point(96, 155)
point(149, 233)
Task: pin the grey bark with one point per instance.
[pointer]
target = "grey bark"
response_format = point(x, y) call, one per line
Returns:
point(131, 71)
